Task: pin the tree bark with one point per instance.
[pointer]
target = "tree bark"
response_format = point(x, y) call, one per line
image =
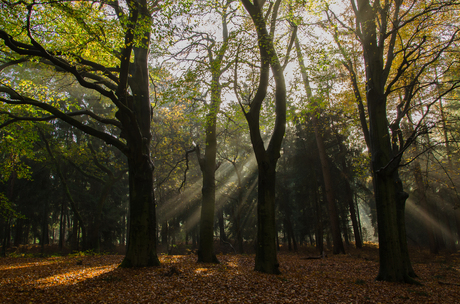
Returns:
point(266, 258)
point(208, 163)
point(141, 249)
point(267, 158)
point(390, 198)
point(142, 237)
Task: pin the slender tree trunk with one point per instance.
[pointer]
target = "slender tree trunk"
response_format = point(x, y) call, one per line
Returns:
point(319, 233)
point(354, 220)
point(6, 236)
point(62, 225)
point(75, 231)
point(208, 163)
point(164, 233)
point(222, 235)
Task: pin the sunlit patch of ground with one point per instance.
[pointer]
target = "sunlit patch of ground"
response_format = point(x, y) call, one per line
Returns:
point(336, 279)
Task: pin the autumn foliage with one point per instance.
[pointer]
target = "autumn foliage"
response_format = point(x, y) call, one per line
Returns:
point(334, 279)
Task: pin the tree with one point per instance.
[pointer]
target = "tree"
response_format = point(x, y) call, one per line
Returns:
point(267, 158)
point(119, 73)
point(399, 49)
point(207, 162)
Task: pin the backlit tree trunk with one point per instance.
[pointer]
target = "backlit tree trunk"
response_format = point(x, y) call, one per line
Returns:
point(390, 198)
point(267, 158)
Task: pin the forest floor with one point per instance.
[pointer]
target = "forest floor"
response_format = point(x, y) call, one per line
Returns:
point(346, 278)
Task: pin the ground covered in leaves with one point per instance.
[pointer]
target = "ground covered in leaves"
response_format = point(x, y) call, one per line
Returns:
point(334, 279)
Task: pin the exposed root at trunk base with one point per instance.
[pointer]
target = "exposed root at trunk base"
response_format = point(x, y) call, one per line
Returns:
point(152, 262)
point(201, 260)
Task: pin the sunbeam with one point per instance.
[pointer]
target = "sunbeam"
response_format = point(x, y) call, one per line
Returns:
point(225, 176)
point(423, 215)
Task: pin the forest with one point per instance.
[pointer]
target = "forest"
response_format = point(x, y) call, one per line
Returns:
point(150, 128)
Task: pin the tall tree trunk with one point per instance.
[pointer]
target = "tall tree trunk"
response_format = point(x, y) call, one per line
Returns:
point(390, 198)
point(266, 259)
point(142, 237)
point(353, 215)
point(319, 231)
point(208, 163)
point(222, 235)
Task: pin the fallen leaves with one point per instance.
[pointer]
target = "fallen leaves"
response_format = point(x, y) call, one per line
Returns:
point(336, 279)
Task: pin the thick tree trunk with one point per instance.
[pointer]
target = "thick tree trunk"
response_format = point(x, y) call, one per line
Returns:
point(206, 244)
point(142, 237)
point(266, 259)
point(141, 249)
point(390, 198)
